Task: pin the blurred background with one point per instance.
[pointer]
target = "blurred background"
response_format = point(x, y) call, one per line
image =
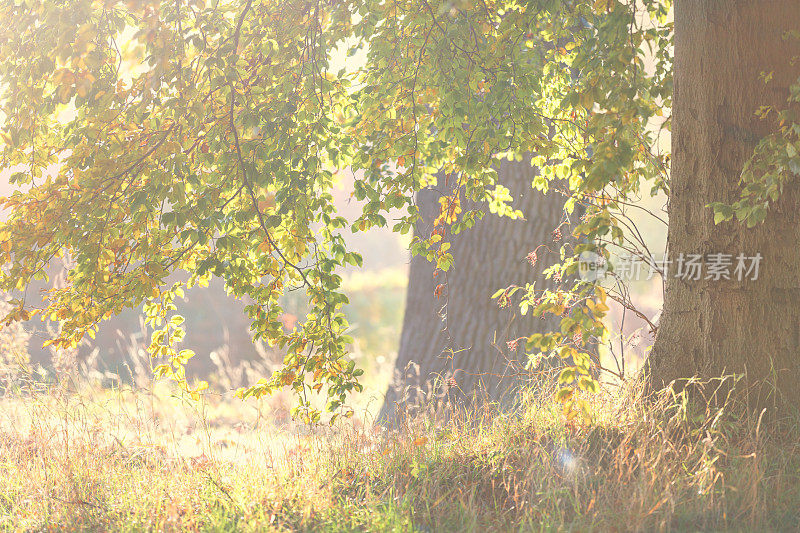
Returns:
point(226, 356)
point(217, 328)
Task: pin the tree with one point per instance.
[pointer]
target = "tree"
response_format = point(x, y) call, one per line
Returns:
point(714, 327)
point(149, 137)
point(455, 338)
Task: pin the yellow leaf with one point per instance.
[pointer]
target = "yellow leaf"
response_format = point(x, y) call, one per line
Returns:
point(601, 293)
point(601, 6)
point(269, 203)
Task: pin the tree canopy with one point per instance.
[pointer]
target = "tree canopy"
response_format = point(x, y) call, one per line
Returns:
point(149, 137)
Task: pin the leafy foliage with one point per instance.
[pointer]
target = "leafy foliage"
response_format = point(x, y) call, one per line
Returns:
point(204, 136)
point(774, 163)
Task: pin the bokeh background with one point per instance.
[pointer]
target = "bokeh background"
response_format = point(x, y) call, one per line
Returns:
point(218, 330)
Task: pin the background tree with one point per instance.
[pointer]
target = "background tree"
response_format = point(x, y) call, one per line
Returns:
point(715, 327)
point(455, 337)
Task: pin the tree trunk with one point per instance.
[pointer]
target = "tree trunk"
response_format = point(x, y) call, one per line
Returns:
point(710, 328)
point(455, 346)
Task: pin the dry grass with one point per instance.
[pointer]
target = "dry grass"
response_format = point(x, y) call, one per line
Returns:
point(80, 457)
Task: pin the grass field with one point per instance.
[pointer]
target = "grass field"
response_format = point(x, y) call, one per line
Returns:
point(75, 456)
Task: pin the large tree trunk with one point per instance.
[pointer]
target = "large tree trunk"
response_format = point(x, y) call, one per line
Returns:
point(455, 346)
point(713, 327)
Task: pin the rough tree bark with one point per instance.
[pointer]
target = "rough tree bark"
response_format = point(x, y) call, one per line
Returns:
point(470, 344)
point(713, 327)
